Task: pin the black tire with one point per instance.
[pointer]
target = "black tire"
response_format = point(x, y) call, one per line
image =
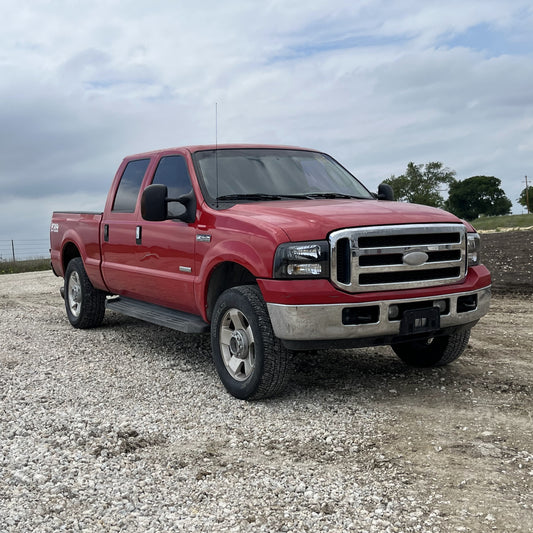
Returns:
point(438, 351)
point(251, 362)
point(85, 305)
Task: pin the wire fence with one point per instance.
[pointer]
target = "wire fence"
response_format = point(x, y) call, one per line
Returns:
point(20, 249)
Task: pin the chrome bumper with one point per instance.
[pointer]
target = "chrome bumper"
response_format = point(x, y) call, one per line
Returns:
point(324, 322)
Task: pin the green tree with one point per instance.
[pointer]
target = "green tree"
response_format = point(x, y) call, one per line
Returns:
point(525, 195)
point(421, 184)
point(478, 195)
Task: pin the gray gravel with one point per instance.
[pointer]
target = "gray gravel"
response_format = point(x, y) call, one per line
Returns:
point(127, 428)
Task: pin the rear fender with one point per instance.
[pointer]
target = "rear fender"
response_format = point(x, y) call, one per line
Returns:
point(89, 253)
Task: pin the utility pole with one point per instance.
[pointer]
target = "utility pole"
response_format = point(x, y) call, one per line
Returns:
point(527, 197)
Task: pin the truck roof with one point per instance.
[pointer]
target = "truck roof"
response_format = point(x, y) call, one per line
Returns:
point(201, 147)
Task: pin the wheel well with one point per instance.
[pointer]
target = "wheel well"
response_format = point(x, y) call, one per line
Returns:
point(70, 251)
point(225, 276)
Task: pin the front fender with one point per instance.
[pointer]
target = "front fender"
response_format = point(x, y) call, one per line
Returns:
point(256, 259)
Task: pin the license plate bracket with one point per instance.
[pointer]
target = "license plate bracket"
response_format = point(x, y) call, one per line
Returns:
point(420, 321)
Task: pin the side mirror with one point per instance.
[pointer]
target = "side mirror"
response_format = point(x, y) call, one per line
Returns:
point(189, 202)
point(385, 192)
point(154, 203)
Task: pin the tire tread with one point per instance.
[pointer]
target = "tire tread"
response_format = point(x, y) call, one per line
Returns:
point(277, 361)
point(93, 300)
point(440, 351)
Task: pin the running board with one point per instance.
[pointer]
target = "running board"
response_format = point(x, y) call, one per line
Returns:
point(155, 314)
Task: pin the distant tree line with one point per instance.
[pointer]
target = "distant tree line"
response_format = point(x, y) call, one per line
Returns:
point(526, 198)
point(469, 198)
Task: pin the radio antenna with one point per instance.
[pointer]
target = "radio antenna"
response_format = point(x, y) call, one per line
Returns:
point(216, 147)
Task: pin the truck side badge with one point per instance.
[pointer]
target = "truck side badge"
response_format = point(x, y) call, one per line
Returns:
point(203, 238)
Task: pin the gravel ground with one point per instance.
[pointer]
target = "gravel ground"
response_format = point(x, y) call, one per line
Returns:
point(127, 428)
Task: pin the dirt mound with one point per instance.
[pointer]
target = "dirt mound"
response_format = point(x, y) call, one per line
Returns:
point(509, 257)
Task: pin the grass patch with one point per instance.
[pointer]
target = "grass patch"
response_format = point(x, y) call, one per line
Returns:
point(26, 265)
point(506, 221)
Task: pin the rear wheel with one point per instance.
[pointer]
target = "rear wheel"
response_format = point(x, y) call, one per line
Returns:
point(437, 351)
point(250, 360)
point(85, 305)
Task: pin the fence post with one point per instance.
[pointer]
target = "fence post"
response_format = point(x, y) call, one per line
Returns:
point(13, 250)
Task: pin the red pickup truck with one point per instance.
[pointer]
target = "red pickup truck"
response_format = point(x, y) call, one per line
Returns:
point(271, 249)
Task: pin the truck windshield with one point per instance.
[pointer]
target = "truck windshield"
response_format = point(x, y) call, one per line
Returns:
point(264, 174)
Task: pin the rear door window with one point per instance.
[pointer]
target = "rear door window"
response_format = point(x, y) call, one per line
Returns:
point(130, 185)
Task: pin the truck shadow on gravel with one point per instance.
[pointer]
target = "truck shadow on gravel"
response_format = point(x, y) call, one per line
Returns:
point(363, 372)
point(369, 373)
point(349, 372)
point(366, 374)
point(188, 352)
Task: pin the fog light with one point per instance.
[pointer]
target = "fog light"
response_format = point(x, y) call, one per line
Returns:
point(394, 312)
point(312, 269)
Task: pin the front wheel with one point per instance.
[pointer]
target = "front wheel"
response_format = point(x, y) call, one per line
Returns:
point(85, 305)
point(250, 360)
point(438, 351)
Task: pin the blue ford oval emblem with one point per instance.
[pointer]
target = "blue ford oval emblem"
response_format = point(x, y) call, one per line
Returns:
point(415, 258)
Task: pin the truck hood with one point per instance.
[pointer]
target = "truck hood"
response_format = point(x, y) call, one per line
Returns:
point(304, 220)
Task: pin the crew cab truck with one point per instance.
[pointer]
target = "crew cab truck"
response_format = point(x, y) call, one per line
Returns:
point(271, 249)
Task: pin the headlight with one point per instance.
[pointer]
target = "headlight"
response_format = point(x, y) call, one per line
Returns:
point(302, 260)
point(473, 247)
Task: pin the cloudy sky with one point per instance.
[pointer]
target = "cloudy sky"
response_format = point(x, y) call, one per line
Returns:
point(375, 83)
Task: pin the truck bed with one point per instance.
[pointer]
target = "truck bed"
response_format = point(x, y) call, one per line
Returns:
point(77, 227)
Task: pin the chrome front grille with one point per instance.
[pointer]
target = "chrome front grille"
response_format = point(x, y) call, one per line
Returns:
point(380, 258)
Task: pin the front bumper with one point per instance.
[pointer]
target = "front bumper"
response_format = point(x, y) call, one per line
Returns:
point(316, 322)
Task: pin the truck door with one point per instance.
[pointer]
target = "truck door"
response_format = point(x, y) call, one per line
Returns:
point(165, 250)
point(118, 227)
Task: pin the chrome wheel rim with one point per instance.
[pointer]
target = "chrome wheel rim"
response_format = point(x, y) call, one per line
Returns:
point(74, 294)
point(237, 345)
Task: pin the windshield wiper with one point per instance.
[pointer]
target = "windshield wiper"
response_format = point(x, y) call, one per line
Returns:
point(258, 197)
point(330, 195)
point(249, 196)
